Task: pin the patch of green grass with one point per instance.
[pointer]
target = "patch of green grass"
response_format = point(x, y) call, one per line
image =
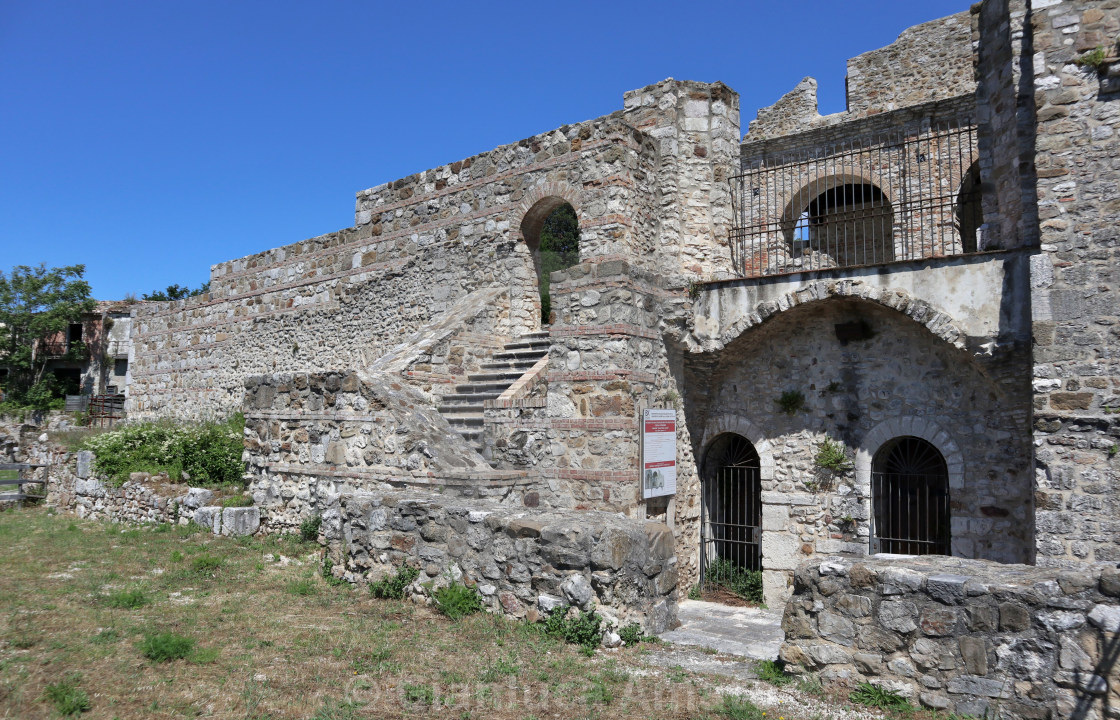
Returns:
point(237, 501)
point(127, 599)
point(498, 670)
point(106, 637)
point(877, 697)
point(165, 647)
point(737, 707)
point(340, 710)
point(67, 697)
point(176, 556)
point(419, 694)
point(456, 601)
point(583, 629)
point(309, 528)
point(206, 563)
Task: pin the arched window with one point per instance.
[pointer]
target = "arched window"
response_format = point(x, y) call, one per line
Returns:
point(910, 498)
point(851, 224)
point(731, 511)
point(969, 213)
point(551, 231)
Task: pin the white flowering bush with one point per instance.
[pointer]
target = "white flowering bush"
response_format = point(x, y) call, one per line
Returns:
point(209, 452)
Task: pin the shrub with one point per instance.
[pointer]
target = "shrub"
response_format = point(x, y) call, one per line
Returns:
point(67, 697)
point(393, 587)
point(165, 647)
point(584, 629)
point(773, 672)
point(456, 601)
point(791, 402)
point(206, 563)
point(747, 584)
point(209, 452)
point(631, 634)
point(1093, 58)
point(309, 528)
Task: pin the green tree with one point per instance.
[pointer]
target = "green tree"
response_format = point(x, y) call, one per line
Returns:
point(559, 249)
point(176, 292)
point(35, 304)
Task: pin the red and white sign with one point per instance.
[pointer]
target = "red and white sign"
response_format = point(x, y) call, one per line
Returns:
point(659, 452)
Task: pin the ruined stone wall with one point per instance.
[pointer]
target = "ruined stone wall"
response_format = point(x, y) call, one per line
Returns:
point(927, 63)
point(523, 564)
point(420, 245)
point(1076, 310)
point(931, 61)
point(965, 636)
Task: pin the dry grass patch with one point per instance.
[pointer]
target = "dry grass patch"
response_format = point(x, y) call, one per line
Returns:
point(171, 622)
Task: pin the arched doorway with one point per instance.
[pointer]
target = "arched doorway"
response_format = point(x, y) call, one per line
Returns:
point(551, 231)
point(969, 212)
point(910, 498)
point(852, 224)
point(730, 512)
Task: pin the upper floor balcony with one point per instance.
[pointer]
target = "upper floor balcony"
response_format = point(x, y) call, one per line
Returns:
point(893, 196)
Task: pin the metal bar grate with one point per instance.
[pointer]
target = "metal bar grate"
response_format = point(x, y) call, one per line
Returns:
point(911, 513)
point(867, 201)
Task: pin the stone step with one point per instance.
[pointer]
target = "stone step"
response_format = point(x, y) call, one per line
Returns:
point(474, 388)
point(522, 355)
point(528, 345)
point(517, 366)
point(463, 421)
point(509, 376)
point(468, 398)
point(474, 437)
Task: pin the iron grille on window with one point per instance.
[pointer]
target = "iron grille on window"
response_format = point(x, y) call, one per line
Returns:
point(868, 201)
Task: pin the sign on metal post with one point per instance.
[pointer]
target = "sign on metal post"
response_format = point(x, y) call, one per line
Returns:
point(659, 452)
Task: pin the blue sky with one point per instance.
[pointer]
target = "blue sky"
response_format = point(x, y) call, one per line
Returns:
point(149, 140)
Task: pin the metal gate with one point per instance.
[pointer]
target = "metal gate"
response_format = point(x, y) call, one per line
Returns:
point(731, 511)
point(910, 498)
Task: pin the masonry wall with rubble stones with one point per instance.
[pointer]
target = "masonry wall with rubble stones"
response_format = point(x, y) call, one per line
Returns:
point(975, 638)
point(1076, 309)
point(524, 563)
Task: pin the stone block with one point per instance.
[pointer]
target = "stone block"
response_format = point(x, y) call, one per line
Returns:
point(85, 463)
point(836, 628)
point(1013, 617)
point(984, 687)
point(946, 588)
point(196, 498)
point(208, 517)
point(974, 652)
point(239, 521)
point(1105, 617)
point(781, 551)
point(898, 615)
point(577, 591)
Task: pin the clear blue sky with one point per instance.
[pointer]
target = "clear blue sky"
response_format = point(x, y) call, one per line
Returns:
point(151, 139)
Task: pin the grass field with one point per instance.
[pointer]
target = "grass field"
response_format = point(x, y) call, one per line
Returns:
point(106, 621)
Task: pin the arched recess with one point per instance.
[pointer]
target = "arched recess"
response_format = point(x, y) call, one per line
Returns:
point(901, 427)
point(546, 260)
point(910, 499)
point(728, 423)
point(968, 211)
point(842, 219)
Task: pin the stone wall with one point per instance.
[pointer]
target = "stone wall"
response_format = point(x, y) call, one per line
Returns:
point(966, 636)
point(928, 62)
point(523, 563)
point(1076, 308)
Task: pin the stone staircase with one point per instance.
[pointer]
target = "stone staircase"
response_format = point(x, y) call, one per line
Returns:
point(463, 408)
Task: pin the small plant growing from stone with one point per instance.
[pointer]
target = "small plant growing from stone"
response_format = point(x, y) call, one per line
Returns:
point(631, 634)
point(309, 528)
point(583, 629)
point(693, 289)
point(791, 402)
point(237, 501)
point(456, 601)
point(1113, 450)
point(694, 593)
point(328, 574)
point(1094, 58)
point(393, 587)
point(832, 456)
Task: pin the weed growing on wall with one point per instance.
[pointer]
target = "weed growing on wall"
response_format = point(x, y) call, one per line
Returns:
point(456, 601)
point(832, 455)
point(583, 629)
point(791, 402)
point(209, 453)
point(392, 587)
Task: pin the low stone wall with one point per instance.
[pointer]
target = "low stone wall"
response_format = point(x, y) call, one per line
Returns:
point(969, 636)
point(73, 487)
point(522, 563)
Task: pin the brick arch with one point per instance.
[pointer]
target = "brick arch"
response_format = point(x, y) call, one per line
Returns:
point(918, 310)
point(728, 423)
